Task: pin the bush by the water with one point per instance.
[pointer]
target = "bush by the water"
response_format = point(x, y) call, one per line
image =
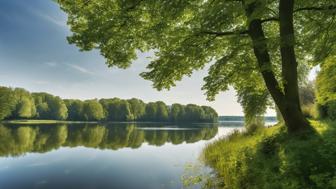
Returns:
point(272, 158)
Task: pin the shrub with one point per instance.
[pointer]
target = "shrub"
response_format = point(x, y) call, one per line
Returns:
point(326, 90)
point(321, 111)
point(309, 111)
point(331, 109)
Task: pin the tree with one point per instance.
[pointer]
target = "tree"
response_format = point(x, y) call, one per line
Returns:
point(7, 102)
point(117, 109)
point(193, 113)
point(210, 115)
point(259, 39)
point(25, 105)
point(151, 111)
point(75, 109)
point(50, 107)
point(42, 108)
point(162, 112)
point(177, 112)
point(93, 110)
point(137, 107)
point(58, 109)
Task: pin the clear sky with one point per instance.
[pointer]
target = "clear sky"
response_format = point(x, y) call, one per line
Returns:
point(35, 55)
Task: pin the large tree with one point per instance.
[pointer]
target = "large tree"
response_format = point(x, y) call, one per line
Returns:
point(252, 44)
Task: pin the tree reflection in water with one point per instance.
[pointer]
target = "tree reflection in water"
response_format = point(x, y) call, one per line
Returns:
point(17, 140)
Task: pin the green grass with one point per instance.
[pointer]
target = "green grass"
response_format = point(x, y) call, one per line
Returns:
point(271, 158)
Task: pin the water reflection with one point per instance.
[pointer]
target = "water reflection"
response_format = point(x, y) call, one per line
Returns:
point(17, 140)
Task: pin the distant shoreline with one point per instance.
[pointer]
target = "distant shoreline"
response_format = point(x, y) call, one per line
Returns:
point(33, 121)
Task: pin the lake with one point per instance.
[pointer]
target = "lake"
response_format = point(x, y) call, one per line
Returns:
point(117, 155)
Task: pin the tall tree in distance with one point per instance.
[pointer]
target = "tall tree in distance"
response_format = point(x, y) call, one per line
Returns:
point(177, 112)
point(248, 41)
point(75, 109)
point(25, 105)
point(50, 107)
point(137, 108)
point(93, 111)
point(7, 102)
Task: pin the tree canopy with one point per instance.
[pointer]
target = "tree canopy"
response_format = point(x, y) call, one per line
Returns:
point(256, 46)
point(7, 102)
point(21, 104)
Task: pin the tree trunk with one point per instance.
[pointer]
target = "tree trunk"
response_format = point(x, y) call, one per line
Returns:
point(291, 112)
point(288, 100)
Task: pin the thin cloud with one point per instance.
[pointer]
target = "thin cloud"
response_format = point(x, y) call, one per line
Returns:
point(80, 69)
point(49, 18)
point(53, 20)
point(51, 64)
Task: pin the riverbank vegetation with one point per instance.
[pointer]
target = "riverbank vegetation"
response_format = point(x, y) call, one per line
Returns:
point(20, 104)
point(273, 158)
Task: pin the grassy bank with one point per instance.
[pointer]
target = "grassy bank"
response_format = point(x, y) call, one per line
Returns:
point(271, 158)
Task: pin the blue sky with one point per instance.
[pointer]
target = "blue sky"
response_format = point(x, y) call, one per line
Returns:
point(35, 55)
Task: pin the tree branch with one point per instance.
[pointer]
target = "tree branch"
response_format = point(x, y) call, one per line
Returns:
point(227, 33)
point(272, 19)
point(325, 8)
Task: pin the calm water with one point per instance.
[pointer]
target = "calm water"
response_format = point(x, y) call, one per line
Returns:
point(120, 156)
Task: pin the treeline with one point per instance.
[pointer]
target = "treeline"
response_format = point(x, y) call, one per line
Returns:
point(18, 140)
point(20, 104)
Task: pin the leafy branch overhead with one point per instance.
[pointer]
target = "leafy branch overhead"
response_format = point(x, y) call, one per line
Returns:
point(259, 43)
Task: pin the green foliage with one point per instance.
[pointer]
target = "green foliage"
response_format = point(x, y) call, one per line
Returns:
point(162, 112)
point(50, 107)
point(309, 111)
point(7, 102)
point(187, 35)
point(193, 112)
point(331, 109)
point(93, 110)
point(210, 115)
point(151, 111)
point(75, 109)
point(25, 105)
point(326, 90)
point(308, 103)
point(19, 103)
point(272, 158)
point(117, 109)
point(137, 107)
point(325, 82)
point(177, 112)
point(307, 93)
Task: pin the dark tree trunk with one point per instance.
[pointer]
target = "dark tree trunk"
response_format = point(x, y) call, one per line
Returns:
point(291, 110)
point(288, 100)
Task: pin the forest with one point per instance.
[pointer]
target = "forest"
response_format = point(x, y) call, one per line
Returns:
point(18, 103)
